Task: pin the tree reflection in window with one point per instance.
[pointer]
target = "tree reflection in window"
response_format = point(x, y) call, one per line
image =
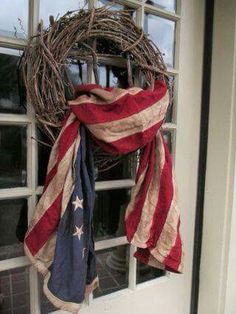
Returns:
point(12, 93)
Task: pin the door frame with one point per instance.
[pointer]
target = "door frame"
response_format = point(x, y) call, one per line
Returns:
point(217, 276)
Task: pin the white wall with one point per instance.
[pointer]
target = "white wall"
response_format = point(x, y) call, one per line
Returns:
point(230, 302)
point(218, 273)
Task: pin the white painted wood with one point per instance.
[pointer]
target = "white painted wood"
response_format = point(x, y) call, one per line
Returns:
point(11, 42)
point(103, 185)
point(163, 13)
point(14, 263)
point(170, 294)
point(14, 193)
point(216, 283)
point(230, 300)
point(114, 184)
point(105, 244)
point(14, 119)
point(132, 268)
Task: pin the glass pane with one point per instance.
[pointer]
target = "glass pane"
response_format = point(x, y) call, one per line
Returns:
point(170, 111)
point(109, 213)
point(13, 226)
point(112, 4)
point(111, 76)
point(113, 270)
point(168, 5)
point(48, 8)
point(145, 272)
point(12, 96)
point(162, 32)
point(43, 156)
point(77, 71)
point(12, 156)
point(122, 167)
point(14, 18)
point(168, 139)
point(14, 286)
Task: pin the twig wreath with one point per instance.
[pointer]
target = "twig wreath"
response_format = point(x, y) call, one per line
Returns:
point(80, 35)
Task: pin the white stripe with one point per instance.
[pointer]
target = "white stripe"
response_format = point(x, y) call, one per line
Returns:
point(169, 232)
point(139, 122)
point(142, 233)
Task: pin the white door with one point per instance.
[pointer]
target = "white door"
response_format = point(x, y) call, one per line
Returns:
point(126, 286)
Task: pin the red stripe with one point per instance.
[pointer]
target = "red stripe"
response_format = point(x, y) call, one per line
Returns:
point(142, 255)
point(143, 163)
point(130, 143)
point(49, 177)
point(173, 260)
point(85, 88)
point(45, 227)
point(127, 105)
point(132, 221)
point(164, 200)
point(66, 140)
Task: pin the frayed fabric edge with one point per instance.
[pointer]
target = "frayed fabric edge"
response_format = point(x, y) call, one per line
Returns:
point(63, 305)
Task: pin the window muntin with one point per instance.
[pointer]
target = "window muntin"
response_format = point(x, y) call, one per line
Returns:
point(27, 121)
point(168, 5)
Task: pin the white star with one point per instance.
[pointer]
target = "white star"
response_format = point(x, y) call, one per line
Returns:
point(78, 231)
point(77, 203)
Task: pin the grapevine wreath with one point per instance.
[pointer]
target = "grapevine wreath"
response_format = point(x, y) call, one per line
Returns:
point(59, 240)
point(89, 35)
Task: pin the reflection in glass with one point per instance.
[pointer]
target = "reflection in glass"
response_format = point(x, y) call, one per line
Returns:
point(112, 76)
point(12, 96)
point(162, 32)
point(170, 112)
point(168, 5)
point(14, 286)
point(124, 167)
point(75, 74)
point(48, 8)
point(77, 71)
point(145, 272)
point(14, 18)
point(13, 222)
point(12, 156)
point(43, 156)
point(113, 270)
point(109, 213)
point(112, 5)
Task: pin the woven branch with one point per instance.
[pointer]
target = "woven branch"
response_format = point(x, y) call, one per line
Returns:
point(80, 35)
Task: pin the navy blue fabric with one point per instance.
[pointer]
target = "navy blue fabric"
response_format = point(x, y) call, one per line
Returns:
point(74, 263)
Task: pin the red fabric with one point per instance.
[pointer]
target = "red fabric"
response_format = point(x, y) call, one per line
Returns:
point(120, 125)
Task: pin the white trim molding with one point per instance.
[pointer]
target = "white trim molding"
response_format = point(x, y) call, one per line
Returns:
point(215, 273)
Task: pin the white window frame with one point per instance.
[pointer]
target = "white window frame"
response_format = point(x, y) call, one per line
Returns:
point(32, 191)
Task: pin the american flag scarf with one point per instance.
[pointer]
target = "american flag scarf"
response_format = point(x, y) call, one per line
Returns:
point(59, 240)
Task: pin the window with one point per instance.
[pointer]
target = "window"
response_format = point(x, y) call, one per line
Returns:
point(23, 161)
